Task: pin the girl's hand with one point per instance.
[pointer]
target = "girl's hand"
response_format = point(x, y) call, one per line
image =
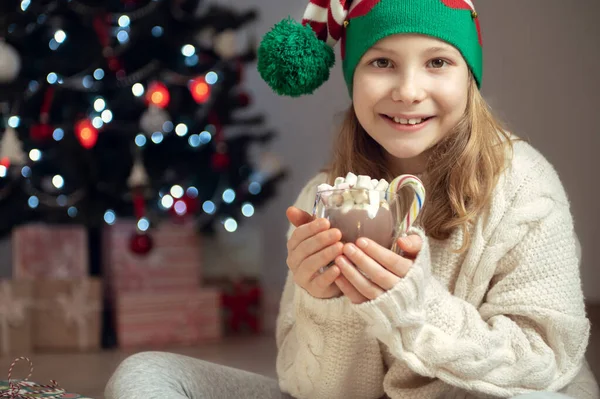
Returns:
point(384, 267)
point(312, 246)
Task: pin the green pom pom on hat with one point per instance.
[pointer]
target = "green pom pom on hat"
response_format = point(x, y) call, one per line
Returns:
point(295, 59)
point(292, 60)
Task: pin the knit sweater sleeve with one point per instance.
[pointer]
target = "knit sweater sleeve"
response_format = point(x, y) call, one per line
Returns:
point(530, 333)
point(324, 350)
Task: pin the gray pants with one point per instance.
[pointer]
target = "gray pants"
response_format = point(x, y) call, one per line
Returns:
point(158, 375)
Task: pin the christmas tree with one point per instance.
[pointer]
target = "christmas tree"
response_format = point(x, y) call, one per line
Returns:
point(129, 108)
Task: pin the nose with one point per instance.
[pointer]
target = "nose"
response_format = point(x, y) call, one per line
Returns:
point(408, 90)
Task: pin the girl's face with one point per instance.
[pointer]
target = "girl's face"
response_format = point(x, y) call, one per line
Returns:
point(409, 92)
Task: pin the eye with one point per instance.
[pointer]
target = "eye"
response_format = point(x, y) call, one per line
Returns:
point(381, 63)
point(438, 63)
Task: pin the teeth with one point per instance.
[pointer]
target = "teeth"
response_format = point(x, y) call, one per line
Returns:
point(408, 121)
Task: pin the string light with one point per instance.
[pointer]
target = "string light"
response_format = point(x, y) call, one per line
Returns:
point(180, 208)
point(254, 188)
point(124, 21)
point(35, 155)
point(3, 170)
point(72, 211)
point(181, 129)
point(194, 140)
point(25, 4)
point(99, 74)
point(200, 90)
point(86, 133)
point(205, 137)
point(110, 217)
point(33, 202)
point(157, 31)
point(58, 181)
point(192, 192)
point(58, 134)
point(229, 195)
point(166, 201)
point(99, 104)
point(52, 78)
point(60, 36)
point(140, 140)
point(230, 225)
point(188, 50)
point(211, 78)
point(209, 207)
point(107, 116)
point(158, 95)
point(177, 191)
point(14, 121)
point(157, 137)
point(138, 89)
point(247, 209)
point(143, 224)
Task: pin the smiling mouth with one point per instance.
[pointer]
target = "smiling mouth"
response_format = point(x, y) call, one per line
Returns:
point(408, 122)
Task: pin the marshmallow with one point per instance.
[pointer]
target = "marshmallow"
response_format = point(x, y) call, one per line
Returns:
point(364, 182)
point(338, 181)
point(343, 186)
point(361, 196)
point(347, 196)
point(336, 199)
point(374, 183)
point(382, 185)
point(351, 179)
point(324, 187)
point(374, 198)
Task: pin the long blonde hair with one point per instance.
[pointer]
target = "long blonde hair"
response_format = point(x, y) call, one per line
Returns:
point(462, 169)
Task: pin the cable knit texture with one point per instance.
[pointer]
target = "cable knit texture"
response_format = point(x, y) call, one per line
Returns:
point(503, 318)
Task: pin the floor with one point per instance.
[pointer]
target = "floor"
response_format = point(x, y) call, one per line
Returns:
point(256, 354)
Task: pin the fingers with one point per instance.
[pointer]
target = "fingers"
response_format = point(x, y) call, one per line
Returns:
point(322, 285)
point(411, 245)
point(309, 266)
point(365, 287)
point(349, 290)
point(305, 231)
point(297, 216)
point(396, 264)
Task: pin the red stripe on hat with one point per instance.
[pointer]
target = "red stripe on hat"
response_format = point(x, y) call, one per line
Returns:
point(320, 3)
point(320, 28)
point(362, 8)
point(479, 31)
point(458, 4)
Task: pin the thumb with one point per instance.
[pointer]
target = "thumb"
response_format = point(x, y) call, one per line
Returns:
point(297, 216)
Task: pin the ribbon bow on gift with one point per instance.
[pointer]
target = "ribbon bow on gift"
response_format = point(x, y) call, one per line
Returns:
point(12, 313)
point(77, 308)
point(25, 389)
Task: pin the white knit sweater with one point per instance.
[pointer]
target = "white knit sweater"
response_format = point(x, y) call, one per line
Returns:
point(505, 317)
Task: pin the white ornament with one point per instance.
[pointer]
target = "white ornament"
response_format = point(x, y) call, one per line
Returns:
point(138, 176)
point(10, 62)
point(153, 119)
point(12, 148)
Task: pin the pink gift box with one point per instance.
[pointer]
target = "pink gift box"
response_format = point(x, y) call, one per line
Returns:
point(49, 252)
point(177, 318)
point(173, 264)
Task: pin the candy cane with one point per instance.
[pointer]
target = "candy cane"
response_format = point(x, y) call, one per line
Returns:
point(419, 190)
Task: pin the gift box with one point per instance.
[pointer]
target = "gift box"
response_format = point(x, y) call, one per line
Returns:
point(67, 314)
point(15, 317)
point(49, 251)
point(172, 318)
point(30, 389)
point(241, 302)
point(173, 263)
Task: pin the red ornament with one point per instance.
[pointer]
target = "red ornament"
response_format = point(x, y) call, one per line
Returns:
point(140, 243)
point(5, 162)
point(242, 306)
point(41, 131)
point(158, 95)
point(220, 161)
point(243, 99)
point(86, 133)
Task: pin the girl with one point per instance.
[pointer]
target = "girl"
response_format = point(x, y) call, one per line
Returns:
point(486, 300)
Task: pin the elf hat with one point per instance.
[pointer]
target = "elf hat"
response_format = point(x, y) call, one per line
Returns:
point(294, 59)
